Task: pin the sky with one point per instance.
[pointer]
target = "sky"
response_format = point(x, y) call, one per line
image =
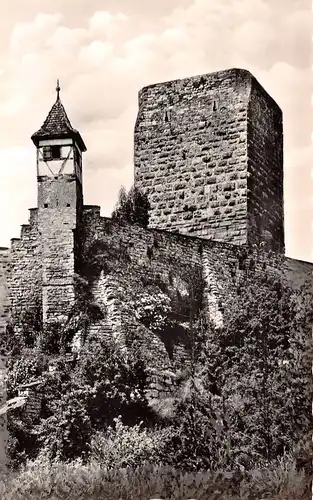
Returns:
point(105, 51)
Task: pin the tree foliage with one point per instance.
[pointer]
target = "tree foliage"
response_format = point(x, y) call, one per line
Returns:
point(132, 207)
point(262, 352)
point(240, 395)
point(243, 395)
point(82, 399)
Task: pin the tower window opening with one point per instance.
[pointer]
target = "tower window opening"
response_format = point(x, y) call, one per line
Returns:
point(45, 205)
point(166, 116)
point(214, 106)
point(68, 204)
point(51, 153)
point(56, 152)
point(46, 153)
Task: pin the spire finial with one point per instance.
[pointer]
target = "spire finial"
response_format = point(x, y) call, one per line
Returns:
point(58, 89)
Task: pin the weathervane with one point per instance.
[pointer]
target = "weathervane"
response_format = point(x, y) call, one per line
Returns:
point(58, 89)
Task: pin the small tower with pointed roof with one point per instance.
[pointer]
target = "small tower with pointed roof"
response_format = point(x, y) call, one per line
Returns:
point(59, 159)
point(60, 204)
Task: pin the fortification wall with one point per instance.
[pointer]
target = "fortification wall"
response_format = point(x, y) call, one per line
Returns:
point(5, 263)
point(159, 254)
point(129, 267)
point(24, 279)
point(4, 318)
point(143, 262)
point(196, 142)
point(139, 263)
point(154, 251)
point(43, 264)
point(142, 268)
point(299, 273)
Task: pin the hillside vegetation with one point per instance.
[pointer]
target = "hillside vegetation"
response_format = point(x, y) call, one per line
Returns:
point(234, 424)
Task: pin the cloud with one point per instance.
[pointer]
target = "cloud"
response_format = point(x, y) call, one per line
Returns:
point(103, 189)
point(105, 59)
point(299, 202)
point(18, 190)
point(107, 26)
point(29, 37)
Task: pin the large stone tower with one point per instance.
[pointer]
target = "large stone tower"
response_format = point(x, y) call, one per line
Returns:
point(209, 154)
point(60, 204)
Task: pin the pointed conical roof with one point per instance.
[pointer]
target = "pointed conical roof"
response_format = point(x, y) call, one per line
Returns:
point(57, 126)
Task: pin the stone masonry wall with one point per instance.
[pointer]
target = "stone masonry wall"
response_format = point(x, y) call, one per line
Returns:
point(148, 257)
point(43, 263)
point(59, 202)
point(4, 318)
point(140, 258)
point(191, 152)
point(265, 169)
point(153, 256)
point(59, 192)
point(58, 261)
point(24, 279)
point(158, 254)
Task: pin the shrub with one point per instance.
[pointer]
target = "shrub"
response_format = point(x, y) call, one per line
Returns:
point(153, 309)
point(66, 433)
point(123, 446)
point(22, 369)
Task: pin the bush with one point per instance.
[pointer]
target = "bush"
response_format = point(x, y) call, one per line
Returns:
point(66, 433)
point(124, 446)
point(153, 309)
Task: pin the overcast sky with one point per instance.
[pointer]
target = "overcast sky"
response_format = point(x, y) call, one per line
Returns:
point(104, 51)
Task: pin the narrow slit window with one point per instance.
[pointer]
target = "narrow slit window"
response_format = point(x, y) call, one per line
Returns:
point(167, 116)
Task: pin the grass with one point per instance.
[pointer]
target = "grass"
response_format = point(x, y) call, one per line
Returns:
point(75, 481)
